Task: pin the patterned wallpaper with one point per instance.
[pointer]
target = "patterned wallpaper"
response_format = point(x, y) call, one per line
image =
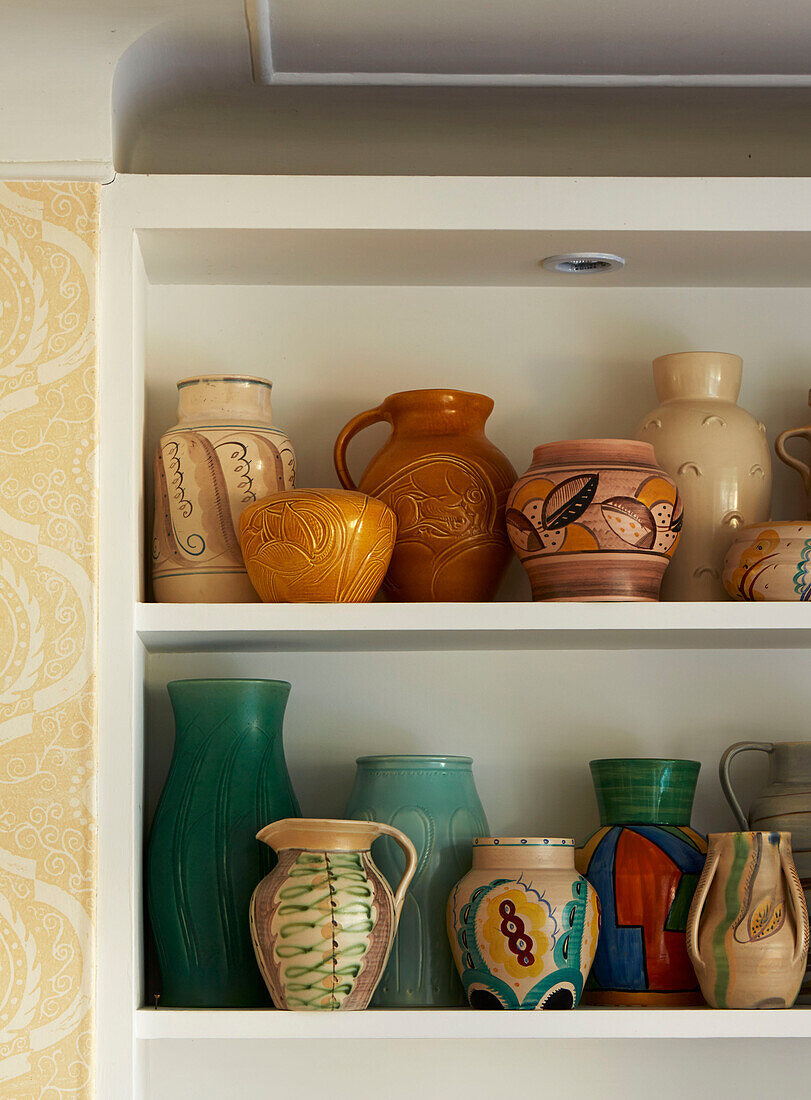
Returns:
point(48, 499)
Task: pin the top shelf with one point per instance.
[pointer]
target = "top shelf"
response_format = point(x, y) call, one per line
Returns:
point(387, 626)
point(460, 231)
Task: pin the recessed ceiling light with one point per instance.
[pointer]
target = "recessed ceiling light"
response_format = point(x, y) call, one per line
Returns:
point(583, 263)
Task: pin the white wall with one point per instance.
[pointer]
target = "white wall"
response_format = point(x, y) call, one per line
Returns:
point(57, 64)
point(531, 720)
point(559, 362)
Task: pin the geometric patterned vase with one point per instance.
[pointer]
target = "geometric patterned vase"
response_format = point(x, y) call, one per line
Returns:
point(644, 862)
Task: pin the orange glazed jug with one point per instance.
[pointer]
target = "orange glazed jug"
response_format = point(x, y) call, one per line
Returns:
point(448, 486)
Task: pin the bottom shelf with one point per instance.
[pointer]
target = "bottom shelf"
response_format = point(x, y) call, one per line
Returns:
point(583, 1023)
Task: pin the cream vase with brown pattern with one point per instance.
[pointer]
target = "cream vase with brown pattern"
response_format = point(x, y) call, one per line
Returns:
point(222, 455)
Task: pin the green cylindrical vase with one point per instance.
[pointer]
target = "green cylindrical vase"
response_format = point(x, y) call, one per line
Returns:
point(433, 800)
point(228, 778)
point(644, 790)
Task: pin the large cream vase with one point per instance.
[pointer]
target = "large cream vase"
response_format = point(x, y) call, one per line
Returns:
point(719, 457)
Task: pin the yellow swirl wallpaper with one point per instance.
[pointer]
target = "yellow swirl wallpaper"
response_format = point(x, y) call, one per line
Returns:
point(48, 519)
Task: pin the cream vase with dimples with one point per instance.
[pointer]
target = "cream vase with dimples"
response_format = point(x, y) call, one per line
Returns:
point(719, 457)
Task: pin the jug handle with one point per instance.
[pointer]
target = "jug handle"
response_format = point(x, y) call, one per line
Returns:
point(410, 853)
point(797, 904)
point(355, 425)
point(723, 773)
point(697, 908)
point(789, 459)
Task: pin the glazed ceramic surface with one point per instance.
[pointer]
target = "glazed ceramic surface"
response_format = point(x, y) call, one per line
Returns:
point(227, 777)
point(719, 456)
point(433, 800)
point(784, 805)
point(323, 921)
point(317, 546)
point(644, 862)
point(523, 924)
point(222, 455)
point(594, 519)
point(447, 484)
point(770, 561)
point(797, 464)
point(747, 932)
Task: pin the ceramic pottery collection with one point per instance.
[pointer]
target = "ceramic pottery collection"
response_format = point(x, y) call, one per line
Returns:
point(748, 925)
point(228, 777)
point(770, 562)
point(433, 800)
point(223, 455)
point(644, 862)
point(523, 924)
point(784, 805)
point(594, 519)
point(521, 929)
point(447, 485)
point(439, 505)
point(719, 457)
point(317, 545)
point(323, 921)
point(797, 464)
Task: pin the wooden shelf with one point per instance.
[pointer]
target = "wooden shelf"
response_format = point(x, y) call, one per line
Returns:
point(384, 626)
point(386, 1024)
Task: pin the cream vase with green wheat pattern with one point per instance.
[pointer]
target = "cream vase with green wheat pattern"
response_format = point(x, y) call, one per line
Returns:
point(747, 931)
point(323, 921)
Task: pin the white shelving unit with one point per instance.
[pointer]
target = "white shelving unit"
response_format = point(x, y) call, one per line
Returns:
point(343, 290)
point(167, 628)
point(386, 1024)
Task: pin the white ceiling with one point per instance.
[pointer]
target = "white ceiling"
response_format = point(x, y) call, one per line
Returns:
point(67, 69)
point(553, 38)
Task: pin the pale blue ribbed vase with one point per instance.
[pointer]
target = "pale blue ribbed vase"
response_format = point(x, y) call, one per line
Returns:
point(433, 800)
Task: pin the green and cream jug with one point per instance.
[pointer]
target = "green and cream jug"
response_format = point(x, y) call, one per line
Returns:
point(324, 919)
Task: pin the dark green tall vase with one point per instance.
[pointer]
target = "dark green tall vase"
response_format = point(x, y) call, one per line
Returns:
point(228, 778)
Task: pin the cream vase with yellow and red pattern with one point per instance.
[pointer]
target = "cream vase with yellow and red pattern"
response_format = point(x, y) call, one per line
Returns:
point(523, 924)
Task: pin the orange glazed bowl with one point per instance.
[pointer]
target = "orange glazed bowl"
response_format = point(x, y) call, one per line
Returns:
point(317, 546)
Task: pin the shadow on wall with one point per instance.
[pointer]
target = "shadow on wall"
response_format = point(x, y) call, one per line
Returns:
point(184, 102)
